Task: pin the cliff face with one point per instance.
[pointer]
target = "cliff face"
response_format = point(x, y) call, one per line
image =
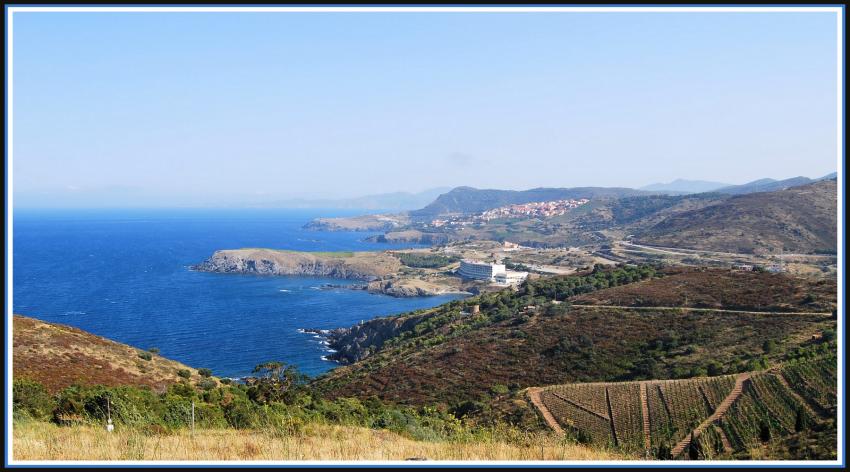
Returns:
point(366, 266)
point(359, 341)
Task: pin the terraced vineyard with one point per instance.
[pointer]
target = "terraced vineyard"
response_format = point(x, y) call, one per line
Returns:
point(722, 415)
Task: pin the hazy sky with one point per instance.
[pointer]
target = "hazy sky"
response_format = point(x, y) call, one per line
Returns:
point(209, 107)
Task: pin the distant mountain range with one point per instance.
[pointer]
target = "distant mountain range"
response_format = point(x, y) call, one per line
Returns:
point(396, 201)
point(682, 186)
point(685, 186)
point(771, 185)
point(472, 200)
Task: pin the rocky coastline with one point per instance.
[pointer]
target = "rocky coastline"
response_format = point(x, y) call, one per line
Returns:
point(349, 345)
point(368, 266)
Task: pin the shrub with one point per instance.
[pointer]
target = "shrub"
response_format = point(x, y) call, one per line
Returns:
point(499, 389)
point(178, 411)
point(240, 414)
point(127, 405)
point(207, 384)
point(759, 363)
point(182, 389)
point(769, 346)
point(155, 430)
point(204, 372)
point(694, 448)
point(32, 399)
point(801, 421)
point(467, 408)
point(663, 452)
point(583, 437)
point(153, 350)
point(146, 356)
point(425, 261)
point(132, 406)
point(209, 416)
point(715, 368)
point(184, 373)
point(764, 432)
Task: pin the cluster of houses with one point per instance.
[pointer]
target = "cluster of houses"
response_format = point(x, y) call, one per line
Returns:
point(534, 209)
point(524, 210)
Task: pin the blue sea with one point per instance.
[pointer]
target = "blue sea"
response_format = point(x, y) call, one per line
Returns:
point(125, 275)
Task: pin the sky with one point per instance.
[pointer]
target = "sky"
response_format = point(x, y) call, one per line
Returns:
point(214, 108)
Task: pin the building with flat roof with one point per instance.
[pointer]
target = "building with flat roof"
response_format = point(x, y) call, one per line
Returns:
point(491, 272)
point(510, 277)
point(480, 270)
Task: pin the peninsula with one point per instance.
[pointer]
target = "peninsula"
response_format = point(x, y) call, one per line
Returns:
point(387, 272)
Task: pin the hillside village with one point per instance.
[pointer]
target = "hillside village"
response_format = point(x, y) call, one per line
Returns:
point(548, 209)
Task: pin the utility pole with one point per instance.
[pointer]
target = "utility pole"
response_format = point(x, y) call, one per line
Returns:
point(109, 425)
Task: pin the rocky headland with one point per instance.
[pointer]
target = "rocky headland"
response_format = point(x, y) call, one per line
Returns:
point(381, 272)
point(340, 265)
point(359, 341)
point(358, 223)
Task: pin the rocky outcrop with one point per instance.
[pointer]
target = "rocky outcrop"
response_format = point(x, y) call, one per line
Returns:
point(364, 266)
point(410, 288)
point(359, 341)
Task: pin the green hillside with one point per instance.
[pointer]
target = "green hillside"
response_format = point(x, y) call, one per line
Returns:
point(475, 364)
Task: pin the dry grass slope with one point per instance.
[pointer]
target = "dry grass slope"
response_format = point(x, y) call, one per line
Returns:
point(45, 441)
point(58, 356)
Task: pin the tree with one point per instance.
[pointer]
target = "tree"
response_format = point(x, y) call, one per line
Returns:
point(276, 382)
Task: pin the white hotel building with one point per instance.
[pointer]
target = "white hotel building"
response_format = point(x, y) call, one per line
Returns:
point(492, 272)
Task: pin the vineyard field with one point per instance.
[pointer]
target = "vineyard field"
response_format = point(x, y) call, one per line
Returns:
point(704, 416)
